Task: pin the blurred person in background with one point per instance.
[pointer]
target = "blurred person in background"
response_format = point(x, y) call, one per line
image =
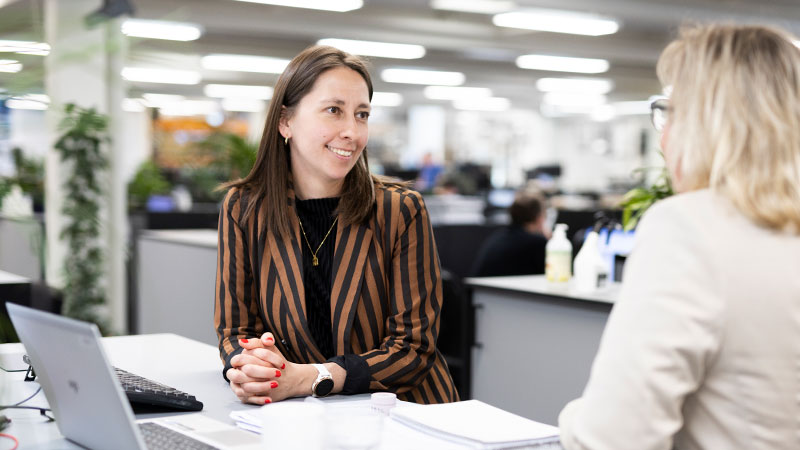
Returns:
point(702, 349)
point(328, 278)
point(519, 248)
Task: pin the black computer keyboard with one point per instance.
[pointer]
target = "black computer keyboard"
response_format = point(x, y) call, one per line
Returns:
point(141, 391)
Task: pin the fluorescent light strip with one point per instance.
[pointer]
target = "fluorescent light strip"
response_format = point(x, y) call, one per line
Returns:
point(573, 99)
point(159, 29)
point(165, 76)
point(379, 49)
point(588, 85)
point(244, 63)
point(483, 104)
point(388, 99)
point(324, 5)
point(32, 101)
point(242, 105)
point(418, 76)
point(474, 6)
point(25, 47)
point(455, 92)
point(562, 64)
point(556, 21)
point(238, 91)
point(10, 65)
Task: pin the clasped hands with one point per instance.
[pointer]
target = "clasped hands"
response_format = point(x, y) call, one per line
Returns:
point(260, 374)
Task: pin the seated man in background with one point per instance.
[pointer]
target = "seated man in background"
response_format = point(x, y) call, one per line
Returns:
point(519, 248)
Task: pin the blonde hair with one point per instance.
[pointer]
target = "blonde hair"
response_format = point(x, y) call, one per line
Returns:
point(735, 118)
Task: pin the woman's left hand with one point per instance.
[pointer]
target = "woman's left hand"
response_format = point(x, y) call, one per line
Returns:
point(262, 375)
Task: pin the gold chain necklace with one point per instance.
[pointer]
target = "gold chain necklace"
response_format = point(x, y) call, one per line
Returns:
point(314, 260)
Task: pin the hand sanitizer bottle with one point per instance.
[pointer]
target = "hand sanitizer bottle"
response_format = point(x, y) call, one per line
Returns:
point(558, 256)
point(591, 269)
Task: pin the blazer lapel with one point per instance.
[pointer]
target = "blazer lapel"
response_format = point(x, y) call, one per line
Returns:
point(287, 256)
point(349, 260)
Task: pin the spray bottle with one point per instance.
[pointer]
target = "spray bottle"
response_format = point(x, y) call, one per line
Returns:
point(591, 269)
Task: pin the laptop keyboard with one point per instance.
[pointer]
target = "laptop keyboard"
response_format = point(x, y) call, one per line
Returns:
point(158, 437)
point(143, 391)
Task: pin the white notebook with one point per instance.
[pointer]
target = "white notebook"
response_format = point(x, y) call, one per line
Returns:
point(477, 424)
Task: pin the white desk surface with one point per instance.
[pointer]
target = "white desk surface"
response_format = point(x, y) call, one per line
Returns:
point(177, 361)
point(538, 284)
point(201, 237)
point(10, 278)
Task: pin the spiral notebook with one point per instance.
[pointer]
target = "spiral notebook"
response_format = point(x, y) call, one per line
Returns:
point(478, 425)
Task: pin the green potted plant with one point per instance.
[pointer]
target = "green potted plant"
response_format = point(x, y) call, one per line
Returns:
point(84, 133)
point(639, 199)
point(147, 181)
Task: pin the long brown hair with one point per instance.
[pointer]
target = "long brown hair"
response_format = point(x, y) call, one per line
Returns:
point(270, 177)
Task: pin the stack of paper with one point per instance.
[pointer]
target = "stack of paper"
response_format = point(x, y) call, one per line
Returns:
point(477, 424)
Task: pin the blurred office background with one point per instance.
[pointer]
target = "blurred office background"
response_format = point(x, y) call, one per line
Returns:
point(474, 100)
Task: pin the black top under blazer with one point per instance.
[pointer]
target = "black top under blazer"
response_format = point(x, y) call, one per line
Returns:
point(386, 292)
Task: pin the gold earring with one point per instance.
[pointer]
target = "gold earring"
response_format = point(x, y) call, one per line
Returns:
point(286, 140)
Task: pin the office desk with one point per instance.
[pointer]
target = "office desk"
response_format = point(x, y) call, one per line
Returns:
point(534, 343)
point(185, 364)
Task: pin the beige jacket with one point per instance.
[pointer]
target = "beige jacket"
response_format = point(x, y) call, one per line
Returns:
point(702, 351)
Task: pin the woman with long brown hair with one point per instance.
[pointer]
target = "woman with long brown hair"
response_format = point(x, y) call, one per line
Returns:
point(328, 279)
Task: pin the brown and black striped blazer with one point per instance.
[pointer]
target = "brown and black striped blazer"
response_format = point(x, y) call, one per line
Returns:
point(385, 299)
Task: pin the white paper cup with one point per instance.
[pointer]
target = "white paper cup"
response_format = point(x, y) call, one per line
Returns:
point(354, 428)
point(293, 426)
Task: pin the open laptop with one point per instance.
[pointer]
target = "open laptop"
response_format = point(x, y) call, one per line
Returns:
point(87, 400)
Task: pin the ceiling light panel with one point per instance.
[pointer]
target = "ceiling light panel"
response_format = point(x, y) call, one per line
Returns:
point(587, 85)
point(556, 21)
point(238, 91)
point(474, 6)
point(418, 76)
point(158, 29)
point(562, 64)
point(166, 76)
point(32, 101)
point(10, 65)
point(244, 63)
point(379, 49)
point(324, 5)
point(388, 99)
point(24, 47)
point(573, 99)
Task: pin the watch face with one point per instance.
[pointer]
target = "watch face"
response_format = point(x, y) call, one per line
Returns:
point(324, 387)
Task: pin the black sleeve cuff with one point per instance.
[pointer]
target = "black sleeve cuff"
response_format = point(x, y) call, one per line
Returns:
point(228, 363)
point(357, 379)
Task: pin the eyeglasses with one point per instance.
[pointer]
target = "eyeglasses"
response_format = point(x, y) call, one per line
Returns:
point(659, 112)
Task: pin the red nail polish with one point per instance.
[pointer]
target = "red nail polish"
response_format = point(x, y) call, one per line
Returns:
point(277, 374)
point(243, 340)
point(273, 385)
point(270, 339)
point(267, 401)
point(283, 366)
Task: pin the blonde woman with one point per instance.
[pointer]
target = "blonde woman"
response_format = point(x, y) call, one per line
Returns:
point(702, 351)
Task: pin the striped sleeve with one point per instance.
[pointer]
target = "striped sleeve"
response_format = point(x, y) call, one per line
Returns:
point(407, 353)
point(235, 307)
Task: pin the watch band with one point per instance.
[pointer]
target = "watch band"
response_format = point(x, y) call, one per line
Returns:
point(323, 384)
point(322, 369)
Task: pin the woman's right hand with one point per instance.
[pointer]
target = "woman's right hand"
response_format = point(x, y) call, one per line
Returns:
point(255, 370)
